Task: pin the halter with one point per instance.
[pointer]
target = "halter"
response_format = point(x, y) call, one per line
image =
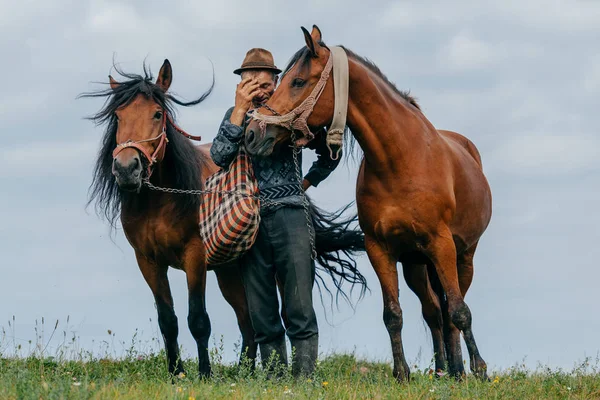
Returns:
point(298, 117)
point(159, 152)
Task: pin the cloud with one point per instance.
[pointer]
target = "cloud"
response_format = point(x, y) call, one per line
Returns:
point(18, 105)
point(591, 78)
point(40, 158)
point(557, 16)
point(560, 15)
point(547, 155)
point(465, 53)
point(410, 15)
point(114, 18)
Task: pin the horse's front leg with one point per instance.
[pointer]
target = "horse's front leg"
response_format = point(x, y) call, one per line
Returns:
point(156, 277)
point(194, 264)
point(384, 263)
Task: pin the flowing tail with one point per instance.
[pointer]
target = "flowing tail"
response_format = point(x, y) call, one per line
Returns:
point(337, 243)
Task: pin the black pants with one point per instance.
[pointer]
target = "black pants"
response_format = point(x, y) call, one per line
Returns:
point(282, 246)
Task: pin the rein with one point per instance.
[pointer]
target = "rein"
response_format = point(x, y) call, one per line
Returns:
point(298, 117)
point(159, 152)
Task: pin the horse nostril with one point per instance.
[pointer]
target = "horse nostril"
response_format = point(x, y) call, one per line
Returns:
point(135, 167)
point(250, 136)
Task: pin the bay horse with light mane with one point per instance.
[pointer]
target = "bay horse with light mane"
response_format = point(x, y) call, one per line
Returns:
point(422, 197)
point(142, 143)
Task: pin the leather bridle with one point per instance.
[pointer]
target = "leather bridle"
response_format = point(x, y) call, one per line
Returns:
point(159, 152)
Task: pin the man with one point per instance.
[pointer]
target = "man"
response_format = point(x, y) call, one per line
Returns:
point(282, 246)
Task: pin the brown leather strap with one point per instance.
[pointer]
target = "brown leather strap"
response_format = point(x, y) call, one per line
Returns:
point(184, 133)
point(298, 117)
point(159, 152)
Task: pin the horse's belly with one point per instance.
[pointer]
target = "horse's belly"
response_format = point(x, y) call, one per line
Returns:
point(407, 215)
point(398, 222)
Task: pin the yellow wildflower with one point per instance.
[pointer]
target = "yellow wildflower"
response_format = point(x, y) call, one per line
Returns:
point(179, 390)
point(191, 398)
point(325, 384)
point(496, 380)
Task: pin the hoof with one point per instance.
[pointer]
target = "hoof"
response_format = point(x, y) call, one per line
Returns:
point(457, 372)
point(177, 375)
point(402, 375)
point(204, 376)
point(482, 375)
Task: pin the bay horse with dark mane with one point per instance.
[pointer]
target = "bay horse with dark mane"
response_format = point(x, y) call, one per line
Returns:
point(142, 142)
point(422, 197)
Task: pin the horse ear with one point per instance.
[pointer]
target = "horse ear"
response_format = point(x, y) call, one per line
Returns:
point(316, 34)
point(310, 43)
point(113, 84)
point(165, 76)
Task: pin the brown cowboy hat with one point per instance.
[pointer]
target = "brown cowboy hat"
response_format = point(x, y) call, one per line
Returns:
point(258, 59)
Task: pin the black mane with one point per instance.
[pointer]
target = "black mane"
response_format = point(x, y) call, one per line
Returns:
point(182, 160)
point(302, 56)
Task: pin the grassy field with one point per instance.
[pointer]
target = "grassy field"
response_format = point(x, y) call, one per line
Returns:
point(337, 377)
point(139, 372)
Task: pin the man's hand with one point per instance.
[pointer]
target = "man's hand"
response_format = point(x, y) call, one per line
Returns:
point(245, 92)
point(305, 185)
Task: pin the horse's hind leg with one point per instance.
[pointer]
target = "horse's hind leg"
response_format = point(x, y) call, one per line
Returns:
point(442, 253)
point(465, 277)
point(230, 283)
point(384, 265)
point(156, 277)
point(416, 277)
point(451, 332)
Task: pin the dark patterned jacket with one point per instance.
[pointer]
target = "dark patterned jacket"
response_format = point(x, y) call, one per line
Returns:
point(276, 174)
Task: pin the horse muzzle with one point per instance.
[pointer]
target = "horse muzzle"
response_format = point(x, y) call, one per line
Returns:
point(128, 172)
point(258, 143)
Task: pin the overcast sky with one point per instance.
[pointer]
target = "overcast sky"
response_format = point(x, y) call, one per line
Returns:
point(521, 79)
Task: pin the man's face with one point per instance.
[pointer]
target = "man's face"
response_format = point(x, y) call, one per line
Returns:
point(266, 81)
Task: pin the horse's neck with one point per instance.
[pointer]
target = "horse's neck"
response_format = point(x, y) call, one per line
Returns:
point(151, 203)
point(385, 125)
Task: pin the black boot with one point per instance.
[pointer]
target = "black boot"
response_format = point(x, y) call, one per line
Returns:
point(274, 357)
point(305, 353)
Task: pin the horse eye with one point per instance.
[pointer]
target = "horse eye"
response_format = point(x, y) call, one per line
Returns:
point(298, 82)
point(158, 115)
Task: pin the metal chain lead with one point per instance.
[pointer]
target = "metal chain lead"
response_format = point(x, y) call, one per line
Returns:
point(311, 233)
point(305, 202)
point(263, 202)
point(200, 192)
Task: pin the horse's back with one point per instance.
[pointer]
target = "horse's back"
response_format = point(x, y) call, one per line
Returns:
point(463, 142)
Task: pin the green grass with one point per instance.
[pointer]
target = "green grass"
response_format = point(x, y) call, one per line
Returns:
point(337, 377)
point(73, 373)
